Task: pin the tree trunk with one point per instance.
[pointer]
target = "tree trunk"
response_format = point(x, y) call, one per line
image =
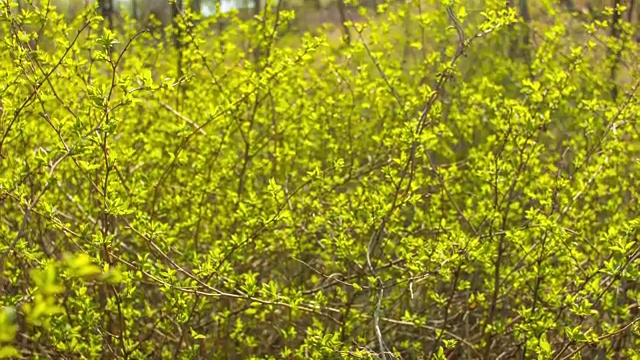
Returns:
point(134, 9)
point(106, 10)
point(342, 9)
point(196, 6)
point(615, 33)
point(257, 7)
point(630, 11)
point(176, 11)
point(526, 16)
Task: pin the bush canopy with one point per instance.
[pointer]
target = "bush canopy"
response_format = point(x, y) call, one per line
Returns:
point(421, 180)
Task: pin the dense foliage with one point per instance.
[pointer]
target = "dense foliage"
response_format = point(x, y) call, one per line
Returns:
point(439, 182)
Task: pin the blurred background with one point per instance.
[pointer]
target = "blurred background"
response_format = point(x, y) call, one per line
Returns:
point(323, 10)
point(144, 7)
point(311, 12)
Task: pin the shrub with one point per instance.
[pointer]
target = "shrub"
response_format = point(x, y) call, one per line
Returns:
point(439, 182)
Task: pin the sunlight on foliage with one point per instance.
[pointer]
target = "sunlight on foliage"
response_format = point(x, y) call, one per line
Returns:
point(424, 180)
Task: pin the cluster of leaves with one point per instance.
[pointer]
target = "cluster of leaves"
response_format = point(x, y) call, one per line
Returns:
point(438, 182)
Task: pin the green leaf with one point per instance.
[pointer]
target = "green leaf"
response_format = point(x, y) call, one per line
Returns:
point(7, 352)
point(81, 265)
point(544, 344)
